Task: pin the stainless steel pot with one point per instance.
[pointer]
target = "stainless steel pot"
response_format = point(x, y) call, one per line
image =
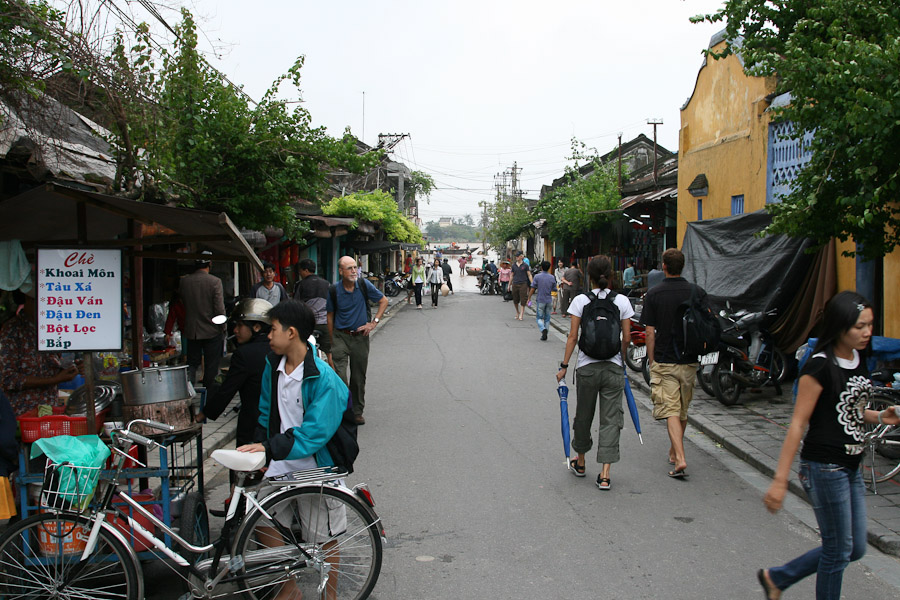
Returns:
point(104, 394)
point(149, 386)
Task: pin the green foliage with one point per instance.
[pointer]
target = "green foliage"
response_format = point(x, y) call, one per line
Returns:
point(508, 217)
point(378, 207)
point(31, 47)
point(568, 208)
point(840, 59)
point(457, 232)
point(422, 185)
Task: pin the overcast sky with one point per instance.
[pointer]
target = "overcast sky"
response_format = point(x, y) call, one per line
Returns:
point(478, 84)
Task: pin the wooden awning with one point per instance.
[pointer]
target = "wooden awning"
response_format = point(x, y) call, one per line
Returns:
point(58, 215)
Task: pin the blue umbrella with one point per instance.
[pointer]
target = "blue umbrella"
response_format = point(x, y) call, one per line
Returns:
point(563, 391)
point(632, 407)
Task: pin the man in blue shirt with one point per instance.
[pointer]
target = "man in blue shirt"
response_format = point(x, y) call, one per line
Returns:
point(628, 276)
point(349, 328)
point(544, 283)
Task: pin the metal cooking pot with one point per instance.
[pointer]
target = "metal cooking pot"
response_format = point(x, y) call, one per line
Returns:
point(104, 394)
point(149, 386)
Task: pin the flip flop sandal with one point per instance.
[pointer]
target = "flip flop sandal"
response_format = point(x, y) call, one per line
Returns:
point(603, 483)
point(677, 474)
point(576, 470)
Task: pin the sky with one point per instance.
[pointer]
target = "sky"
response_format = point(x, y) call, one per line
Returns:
point(477, 85)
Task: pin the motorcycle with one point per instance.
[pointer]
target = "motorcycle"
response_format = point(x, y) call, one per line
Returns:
point(637, 349)
point(747, 357)
point(490, 283)
point(393, 283)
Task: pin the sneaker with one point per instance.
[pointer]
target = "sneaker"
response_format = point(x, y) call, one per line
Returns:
point(544, 334)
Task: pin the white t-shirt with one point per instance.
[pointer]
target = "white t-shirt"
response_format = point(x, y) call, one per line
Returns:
point(290, 409)
point(577, 307)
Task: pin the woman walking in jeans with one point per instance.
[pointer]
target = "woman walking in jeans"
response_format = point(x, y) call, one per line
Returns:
point(833, 390)
point(436, 280)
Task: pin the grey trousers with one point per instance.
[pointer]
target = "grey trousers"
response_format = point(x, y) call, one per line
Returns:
point(605, 380)
point(353, 349)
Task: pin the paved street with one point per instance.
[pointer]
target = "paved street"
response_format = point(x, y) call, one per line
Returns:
point(462, 451)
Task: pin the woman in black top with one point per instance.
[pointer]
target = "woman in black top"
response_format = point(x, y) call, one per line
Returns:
point(832, 394)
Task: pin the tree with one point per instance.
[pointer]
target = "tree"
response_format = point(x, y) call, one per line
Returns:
point(421, 184)
point(508, 217)
point(584, 202)
point(840, 60)
point(379, 207)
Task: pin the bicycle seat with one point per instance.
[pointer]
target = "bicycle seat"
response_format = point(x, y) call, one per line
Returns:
point(240, 461)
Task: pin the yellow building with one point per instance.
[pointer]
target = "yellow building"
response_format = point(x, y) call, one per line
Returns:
point(727, 164)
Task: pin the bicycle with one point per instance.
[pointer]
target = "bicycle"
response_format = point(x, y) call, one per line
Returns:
point(309, 533)
point(883, 439)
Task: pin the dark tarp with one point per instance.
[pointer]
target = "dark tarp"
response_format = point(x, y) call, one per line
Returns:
point(726, 259)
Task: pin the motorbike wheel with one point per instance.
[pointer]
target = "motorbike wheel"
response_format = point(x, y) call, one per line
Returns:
point(484, 289)
point(645, 370)
point(633, 364)
point(727, 389)
point(391, 288)
point(704, 378)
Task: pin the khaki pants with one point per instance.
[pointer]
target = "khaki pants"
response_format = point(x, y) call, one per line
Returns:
point(605, 380)
point(352, 349)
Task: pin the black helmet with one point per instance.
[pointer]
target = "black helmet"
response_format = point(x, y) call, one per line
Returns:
point(252, 309)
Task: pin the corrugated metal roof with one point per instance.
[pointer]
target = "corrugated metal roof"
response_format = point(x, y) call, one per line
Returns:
point(660, 194)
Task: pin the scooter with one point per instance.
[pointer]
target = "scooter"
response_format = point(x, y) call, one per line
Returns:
point(489, 283)
point(393, 283)
point(637, 349)
point(747, 358)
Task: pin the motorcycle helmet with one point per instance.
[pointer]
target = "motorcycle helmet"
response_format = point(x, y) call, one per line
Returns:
point(252, 309)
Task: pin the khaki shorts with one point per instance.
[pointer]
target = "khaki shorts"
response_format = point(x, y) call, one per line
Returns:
point(671, 389)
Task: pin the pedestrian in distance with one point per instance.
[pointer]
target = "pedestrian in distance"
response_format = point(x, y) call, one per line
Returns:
point(832, 392)
point(671, 378)
point(349, 325)
point(600, 382)
point(544, 284)
point(521, 281)
point(313, 290)
point(504, 276)
point(418, 280)
point(560, 271)
point(203, 299)
point(571, 286)
point(268, 289)
point(436, 280)
point(445, 266)
point(462, 266)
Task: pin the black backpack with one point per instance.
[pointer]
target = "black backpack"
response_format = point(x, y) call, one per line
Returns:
point(342, 446)
point(696, 330)
point(601, 327)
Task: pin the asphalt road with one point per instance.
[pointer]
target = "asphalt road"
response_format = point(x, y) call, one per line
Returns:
point(462, 452)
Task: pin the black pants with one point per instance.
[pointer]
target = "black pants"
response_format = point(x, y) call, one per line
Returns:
point(448, 282)
point(419, 293)
point(435, 292)
point(209, 352)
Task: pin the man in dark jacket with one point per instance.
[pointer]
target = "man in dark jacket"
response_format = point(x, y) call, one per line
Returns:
point(203, 299)
point(445, 267)
point(313, 290)
point(248, 361)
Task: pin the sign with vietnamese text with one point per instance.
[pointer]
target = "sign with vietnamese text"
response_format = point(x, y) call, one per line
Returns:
point(79, 300)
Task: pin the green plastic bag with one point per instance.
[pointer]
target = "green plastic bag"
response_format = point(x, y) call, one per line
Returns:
point(72, 482)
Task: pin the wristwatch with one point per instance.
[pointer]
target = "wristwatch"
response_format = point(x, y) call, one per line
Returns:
point(376, 320)
point(563, 365)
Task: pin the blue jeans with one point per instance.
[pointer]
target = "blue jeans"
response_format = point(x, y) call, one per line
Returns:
point(837, 495)
point(542, 312)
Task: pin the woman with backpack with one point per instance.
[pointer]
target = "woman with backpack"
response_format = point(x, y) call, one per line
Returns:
point(599, 370)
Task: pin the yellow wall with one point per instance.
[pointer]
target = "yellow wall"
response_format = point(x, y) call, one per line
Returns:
point(724, 134)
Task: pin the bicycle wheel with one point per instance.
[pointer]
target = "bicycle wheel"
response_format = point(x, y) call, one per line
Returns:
point(194, 524)
point(336, 530)
point(726, 388)
point(887, 450)
point(39, 558)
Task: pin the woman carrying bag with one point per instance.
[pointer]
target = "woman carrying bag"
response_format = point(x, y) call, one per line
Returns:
point(436, 280)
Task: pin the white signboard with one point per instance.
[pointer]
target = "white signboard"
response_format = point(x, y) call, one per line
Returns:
point(79, 300)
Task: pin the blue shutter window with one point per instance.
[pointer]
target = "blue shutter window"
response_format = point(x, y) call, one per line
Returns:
point(737, 205)
point(786, 157)
point(699, 209)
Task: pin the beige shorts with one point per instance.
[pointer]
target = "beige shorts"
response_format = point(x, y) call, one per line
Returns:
point(671, 389)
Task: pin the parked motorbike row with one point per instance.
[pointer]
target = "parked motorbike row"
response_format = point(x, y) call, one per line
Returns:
point(746, 357)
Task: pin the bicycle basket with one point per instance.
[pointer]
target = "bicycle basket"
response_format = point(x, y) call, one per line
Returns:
point(68, 487)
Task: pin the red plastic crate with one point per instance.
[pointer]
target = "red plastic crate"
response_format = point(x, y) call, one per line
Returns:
point(34, 427)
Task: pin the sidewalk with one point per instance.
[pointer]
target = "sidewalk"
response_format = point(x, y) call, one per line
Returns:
point(754, 431)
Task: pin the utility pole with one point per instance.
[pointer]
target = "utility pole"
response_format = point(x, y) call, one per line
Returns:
point(620, 160)
point(654, 122)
